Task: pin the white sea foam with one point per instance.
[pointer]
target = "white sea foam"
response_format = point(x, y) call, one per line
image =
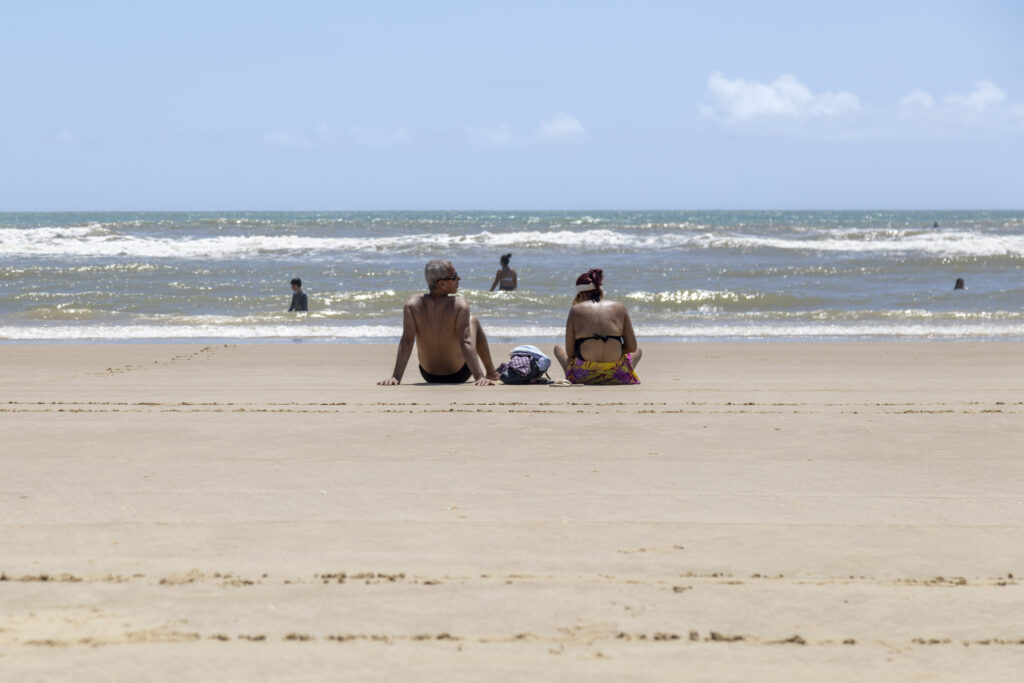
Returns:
point(100, 241)
point(207, 331)
point(770, 331)
point(692, 295)
point(942, 244)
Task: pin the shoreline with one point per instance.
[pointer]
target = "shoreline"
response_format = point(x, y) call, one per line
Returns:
point(505, 340)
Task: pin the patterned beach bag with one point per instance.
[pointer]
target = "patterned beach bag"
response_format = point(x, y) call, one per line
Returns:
point(526, 365)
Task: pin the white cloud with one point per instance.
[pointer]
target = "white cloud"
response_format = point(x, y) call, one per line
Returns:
point(285, 138)
point(786, 107)
point(372, 136)
point(705, 111)
point(738, 100)
point(557, 128)
point(328, 134)
point(984, 111)
point(561, 128)
point(985, 96)
point(499, 135)
point(66, 136)
point(918, 98)
point(326, 131)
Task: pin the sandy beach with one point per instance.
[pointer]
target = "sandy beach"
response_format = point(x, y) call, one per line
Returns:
point(798, 512)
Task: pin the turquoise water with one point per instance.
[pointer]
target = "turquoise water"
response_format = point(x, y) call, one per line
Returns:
point(683, 275)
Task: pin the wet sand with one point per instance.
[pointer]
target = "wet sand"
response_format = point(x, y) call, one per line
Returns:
point(798, 512)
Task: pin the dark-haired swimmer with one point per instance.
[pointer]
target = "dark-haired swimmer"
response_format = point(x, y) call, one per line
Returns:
point(599, 335)
point(506, 277)
point(450, 343)
point(300, 302)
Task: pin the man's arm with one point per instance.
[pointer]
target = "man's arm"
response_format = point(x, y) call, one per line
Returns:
point(466, 343)
point(404, 346)
point(292, 307)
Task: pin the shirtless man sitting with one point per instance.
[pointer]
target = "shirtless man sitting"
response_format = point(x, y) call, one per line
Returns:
point(450, 343)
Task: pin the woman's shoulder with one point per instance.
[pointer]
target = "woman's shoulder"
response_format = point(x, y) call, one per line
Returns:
point(598, 310)
point(613, 305)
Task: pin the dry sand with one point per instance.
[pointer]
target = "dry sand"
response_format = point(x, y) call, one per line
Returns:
point(797, 512)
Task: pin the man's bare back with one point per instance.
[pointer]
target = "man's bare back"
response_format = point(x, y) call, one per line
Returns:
point(450, 343)
point(437, 336)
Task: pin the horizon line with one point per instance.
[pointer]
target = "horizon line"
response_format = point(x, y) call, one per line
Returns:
point(520, 210)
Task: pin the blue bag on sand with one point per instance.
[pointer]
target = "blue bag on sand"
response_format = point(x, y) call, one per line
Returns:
point(526, 365)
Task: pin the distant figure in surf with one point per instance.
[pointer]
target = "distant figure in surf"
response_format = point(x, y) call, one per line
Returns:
point(299, 300)
point(935, 224)
point(959, 284)
point(599, 335)
point(506, 277)
point(450, 343)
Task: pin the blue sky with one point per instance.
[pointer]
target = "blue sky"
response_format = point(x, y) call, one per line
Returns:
point(502, 105)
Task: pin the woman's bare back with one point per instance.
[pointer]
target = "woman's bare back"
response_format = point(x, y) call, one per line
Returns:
point(604, 318)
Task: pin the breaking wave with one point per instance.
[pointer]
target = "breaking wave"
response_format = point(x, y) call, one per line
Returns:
point(102, 241)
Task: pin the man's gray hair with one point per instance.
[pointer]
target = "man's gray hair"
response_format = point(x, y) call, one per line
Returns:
point(436, 270)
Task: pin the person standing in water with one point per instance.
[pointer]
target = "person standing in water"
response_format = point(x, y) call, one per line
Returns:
point(506, 277)
point(299, 300)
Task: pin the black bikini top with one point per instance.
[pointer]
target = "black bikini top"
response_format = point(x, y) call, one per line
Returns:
point(599, 337)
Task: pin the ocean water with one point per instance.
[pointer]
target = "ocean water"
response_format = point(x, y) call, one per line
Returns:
point(684, 275)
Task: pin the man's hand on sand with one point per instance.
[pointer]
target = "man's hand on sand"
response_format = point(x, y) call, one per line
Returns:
point(389, 382)
point(484, 382)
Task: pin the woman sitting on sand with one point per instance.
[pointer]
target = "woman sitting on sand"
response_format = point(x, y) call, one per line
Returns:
point(600, 337)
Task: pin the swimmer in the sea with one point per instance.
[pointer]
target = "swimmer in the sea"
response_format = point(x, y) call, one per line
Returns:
point(299, 300)
point(506, 277)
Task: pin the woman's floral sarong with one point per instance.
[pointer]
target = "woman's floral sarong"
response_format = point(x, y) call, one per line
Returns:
point(595, 372)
